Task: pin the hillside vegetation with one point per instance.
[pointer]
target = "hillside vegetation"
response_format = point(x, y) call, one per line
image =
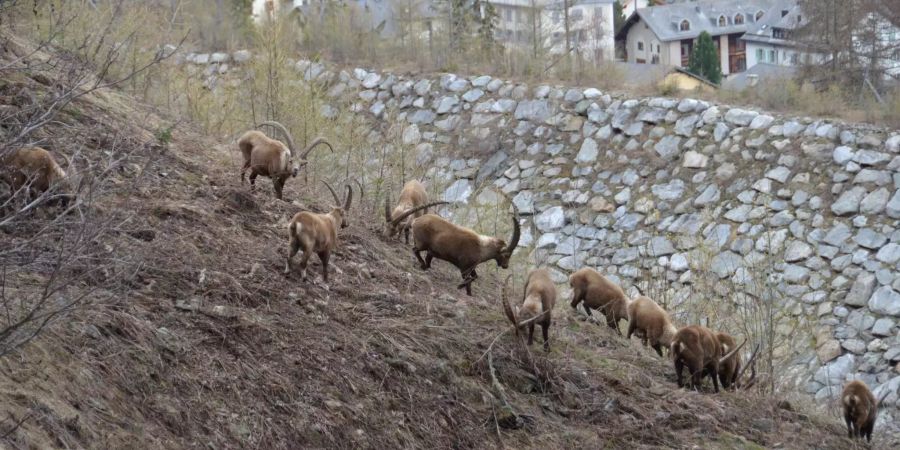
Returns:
point(186, 334)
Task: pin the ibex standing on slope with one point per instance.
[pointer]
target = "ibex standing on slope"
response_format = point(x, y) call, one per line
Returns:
point(538, 301)
point(411, 196)
point(35, 170)
point(317, 233)
point(458, 245)
point(272, 158)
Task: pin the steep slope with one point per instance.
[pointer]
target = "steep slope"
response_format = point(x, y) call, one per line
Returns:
point(207, 344)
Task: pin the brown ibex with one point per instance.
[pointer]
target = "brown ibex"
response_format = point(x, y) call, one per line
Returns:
point(537, 305)
point(651, 323)
point(458, 245)
point(598, 292)
point(698, 348)
point(411, 196)
point(317, 233)
point(272, 158)
point(35, 170)
point(860, 409)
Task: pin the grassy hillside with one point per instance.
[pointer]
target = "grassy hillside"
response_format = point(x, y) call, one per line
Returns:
point(189, 335)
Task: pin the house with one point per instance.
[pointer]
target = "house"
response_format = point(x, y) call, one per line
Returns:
point(665, 34)
point(771, 39)
point(382, 15)
point(524, 23)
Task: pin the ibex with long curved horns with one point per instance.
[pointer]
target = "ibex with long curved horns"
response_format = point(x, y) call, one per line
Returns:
point(318, 233)
point(458, 245)
point(272, 158)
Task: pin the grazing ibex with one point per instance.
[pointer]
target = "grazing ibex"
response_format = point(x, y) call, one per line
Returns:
point(537, 305)
point(413, 195)
point(34, 169)
point(458, 245)
point(698, 348)
point(651, 323)
point(317, 233)
point(860, 409)
point(272, 158)
point(598, 292)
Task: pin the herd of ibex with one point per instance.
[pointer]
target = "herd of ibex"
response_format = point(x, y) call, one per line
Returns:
point(702, 351)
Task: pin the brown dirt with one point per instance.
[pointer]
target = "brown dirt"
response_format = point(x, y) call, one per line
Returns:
point(209, 345)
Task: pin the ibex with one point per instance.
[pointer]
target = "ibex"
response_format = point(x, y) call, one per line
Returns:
point(698, 348)
point(537, 305)
point(317, 233)
point(35, 170)
point(272, 158)
point(598, 292)
point(860, 409)
point(458, 245)
point(651, 323)
point(411, 196)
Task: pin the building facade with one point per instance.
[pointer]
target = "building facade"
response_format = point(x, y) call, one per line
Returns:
point(666, 34)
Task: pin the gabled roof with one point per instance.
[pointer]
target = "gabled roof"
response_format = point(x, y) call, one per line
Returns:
point(700, 78)
point(702, 15)
point(761, 31)
point(763, 72)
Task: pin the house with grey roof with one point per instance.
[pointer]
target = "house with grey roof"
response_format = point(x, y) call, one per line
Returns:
point(666, 34)
point(771, 39)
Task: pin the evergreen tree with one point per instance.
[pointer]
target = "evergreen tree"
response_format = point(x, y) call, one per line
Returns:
point(705, 59)
point(618, 16)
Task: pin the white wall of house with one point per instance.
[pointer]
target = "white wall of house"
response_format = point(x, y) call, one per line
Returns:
point(641, 45)
point(771, 54)
point(723, 54)
point(591, 26)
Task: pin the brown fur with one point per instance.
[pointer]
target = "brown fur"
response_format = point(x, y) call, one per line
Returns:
point(650, 322)
point(317, 233)
point(459, 246)
point(411, 196)
point(36, 166)
point(598, 292)
point(697, 348)
point(729, 370)
point(538, 301)
point(272, 158)
point(860, 409)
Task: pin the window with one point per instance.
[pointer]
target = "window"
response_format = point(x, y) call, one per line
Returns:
point(576, 15)
point(640, 46)
point(555, 16)
point(508, 13)
point(722, 21)
point(685, 26)
point(520, 16)
point(657, 49)
point(739, 19)
point(760, 55)
point(795, 59)
point(654, 59)
point(773, 57)
point(759, 15)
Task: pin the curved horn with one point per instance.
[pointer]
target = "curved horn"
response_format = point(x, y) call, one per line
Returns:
point(387, 207)
point(284, 130)
point(349, 199)
point(313, 144)
point(415, 210)
point(731, 353)
point(337, 201)
point(507, 308)
point(362, 192)
point(514, 240)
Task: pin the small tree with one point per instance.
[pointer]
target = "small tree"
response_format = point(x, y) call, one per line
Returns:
point(705, 59)
point(618, 16)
